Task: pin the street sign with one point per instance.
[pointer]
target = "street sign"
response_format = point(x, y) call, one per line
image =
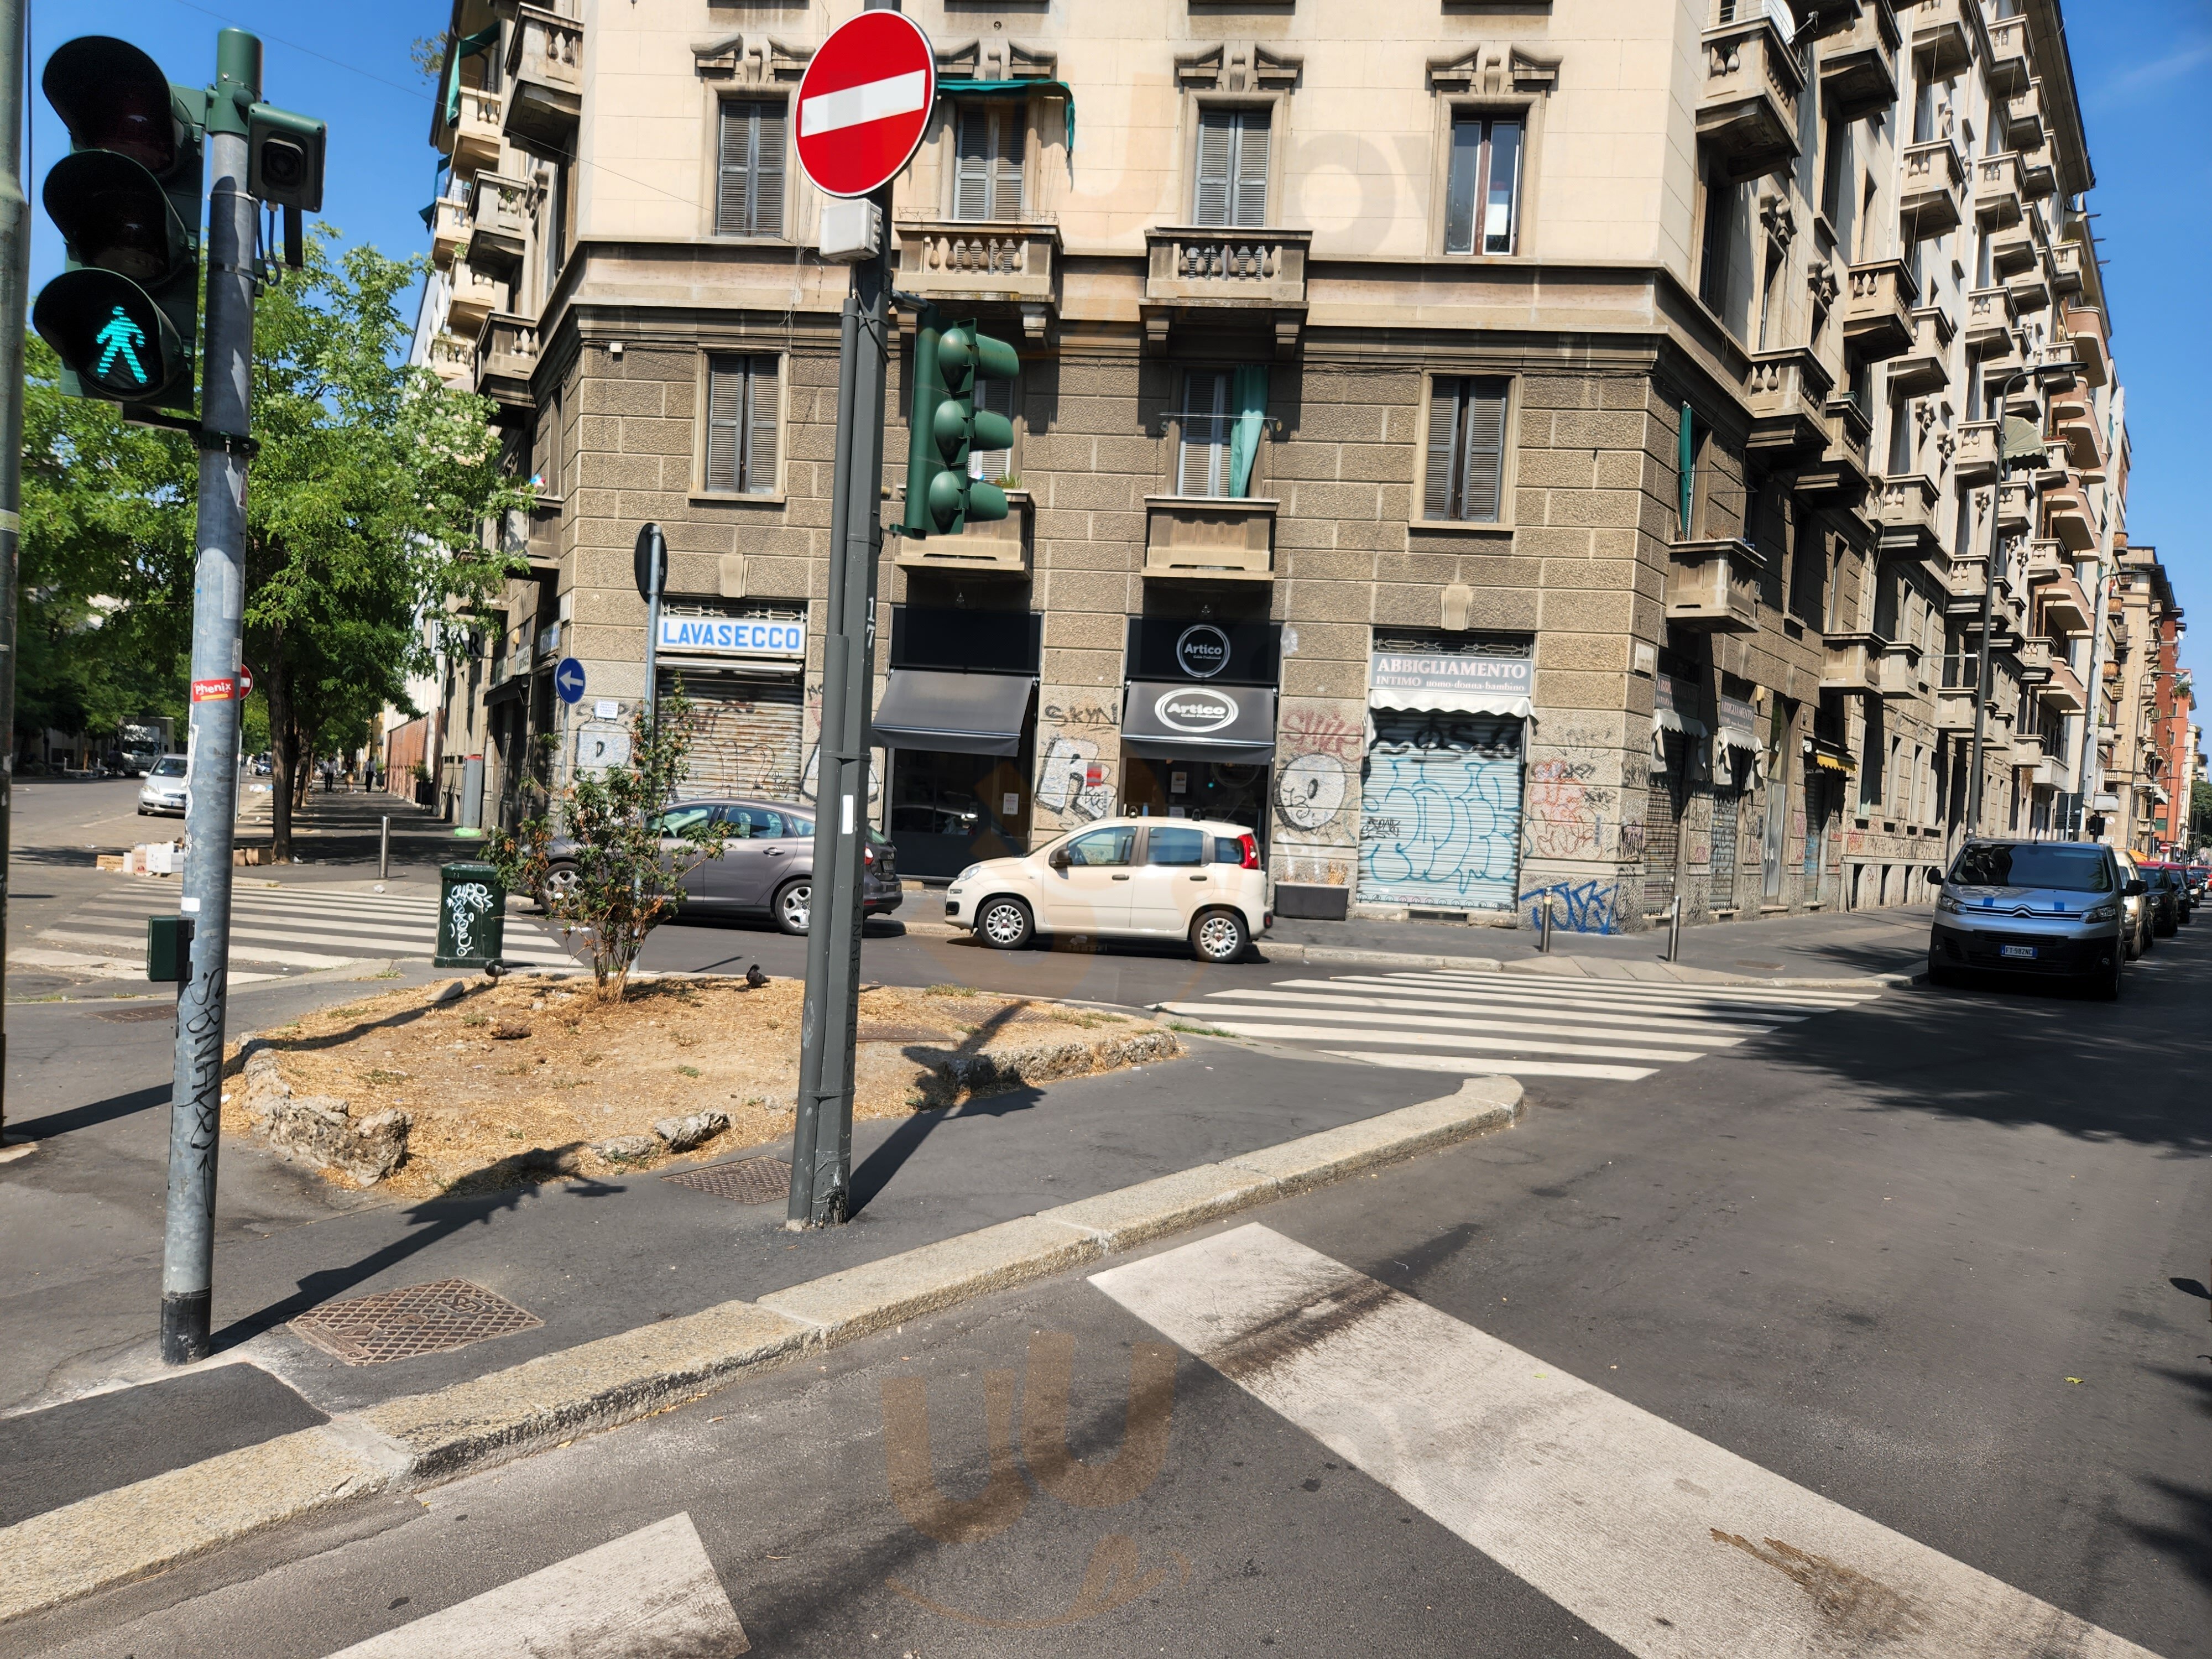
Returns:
point(245, 681)
point(864, 103)
point(568, 680)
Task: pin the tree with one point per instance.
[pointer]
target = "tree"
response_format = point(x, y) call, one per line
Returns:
point(617, 877)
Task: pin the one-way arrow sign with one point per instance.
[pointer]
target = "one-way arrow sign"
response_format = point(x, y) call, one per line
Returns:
point(568, 680)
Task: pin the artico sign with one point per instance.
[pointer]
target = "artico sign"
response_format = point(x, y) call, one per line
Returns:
point(1194, 712)
point(733, 637)
point(1202, 651)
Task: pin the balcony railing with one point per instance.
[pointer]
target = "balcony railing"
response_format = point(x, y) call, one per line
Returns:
point(2012, 249)
point(2030, 289)
point(2023, 118)
point(1000, 546)
point(1858, 62)
point(2009, 70)
point(476, 134)
point(1747, 112)
point(1905, 508)
point(1934, 175)
point(477, 295)
point(2065, 606)
point(449, 229)
point(1787, 391)
point(1976, 461)
point(1954, 712)
point(1199, 274)
point(2038, 176)
point(1997, 191)
point(1964, 585)
point(2066, 268)
point(1852, 663)
point(1837, 477)
point(545, 67)
point(1927, 366)
point(1211, 539)
point(1008, 263)
point(2015, 509)
point(2034, 655)
point(1990, 320)
point(453, 361)
point(499, 223)
point(1942, 36)
point(2071, 521)
point(1713, 584)
point(507, 356)
point(2075, 418)
point(1901, 670)
point(2062, 693)
point(2085, 333)
point(1877, 313)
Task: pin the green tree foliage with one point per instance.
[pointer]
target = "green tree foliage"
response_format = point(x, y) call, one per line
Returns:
point(620, 872)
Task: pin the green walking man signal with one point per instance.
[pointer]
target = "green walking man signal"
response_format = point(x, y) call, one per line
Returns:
point(121, 338)
point(945, 428)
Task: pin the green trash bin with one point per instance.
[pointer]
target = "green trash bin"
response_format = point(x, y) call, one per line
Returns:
point(471, 917)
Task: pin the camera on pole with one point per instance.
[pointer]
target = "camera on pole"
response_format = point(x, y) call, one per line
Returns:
point(944, 427)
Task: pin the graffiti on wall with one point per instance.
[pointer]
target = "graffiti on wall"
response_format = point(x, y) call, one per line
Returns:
point(1435, 832)
point(1310, 791)
point(1322, 731)
point(1566, 812)
point(1073, 780)
point(1585, 906)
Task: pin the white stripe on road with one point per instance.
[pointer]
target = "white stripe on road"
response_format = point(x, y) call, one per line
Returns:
point(649, 1595)
point(871, 100)
point(249, 953)
point(1474, 1068)
point(1621, 991)
point(1232, 1007)
point(1666, 1543)
point(1429, 1040)
point(1414, 1007)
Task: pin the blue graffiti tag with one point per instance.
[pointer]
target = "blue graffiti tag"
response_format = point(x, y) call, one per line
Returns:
point(1441, 811)
point(1579, 906)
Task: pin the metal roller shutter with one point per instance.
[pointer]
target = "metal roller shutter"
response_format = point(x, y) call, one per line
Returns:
point(748, 737)
point(1728, 825)
point(1662, 831)
point(1441, 811)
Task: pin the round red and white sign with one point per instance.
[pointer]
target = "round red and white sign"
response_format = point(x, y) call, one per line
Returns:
point(245, 681)
point(864, 103)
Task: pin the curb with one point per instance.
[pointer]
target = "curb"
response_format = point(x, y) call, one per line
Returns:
point(417, 1440)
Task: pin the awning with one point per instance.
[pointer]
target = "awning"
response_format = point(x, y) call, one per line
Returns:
point(966, 713)
point(1513, 706)
point(1828, 762)
point(1665, 720)
point(1205, 722)
point(1730, 737)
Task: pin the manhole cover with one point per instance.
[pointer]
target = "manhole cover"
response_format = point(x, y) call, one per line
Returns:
point(135, 1016)
point(420, 1319)
point(749, 1180)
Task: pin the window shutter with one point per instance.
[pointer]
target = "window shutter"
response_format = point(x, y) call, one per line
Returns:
point(1443, 425)
point(1252, 132)
point(1206, 400)
point(1006, 173)
point(998, 397)
point(726, 391)
point(760, 428)
point(1486, 451)
point(767, 172)
point(971, 177)
point(732, 200)
point(1216, 138)
point(1459, 190)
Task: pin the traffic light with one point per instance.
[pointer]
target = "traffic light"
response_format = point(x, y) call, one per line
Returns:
point(124, 316)
point(945, 426)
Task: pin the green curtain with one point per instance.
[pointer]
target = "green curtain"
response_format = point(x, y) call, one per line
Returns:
point(1249, 388)
point(482, 40)
point(1014, 90)
point(1687, 471)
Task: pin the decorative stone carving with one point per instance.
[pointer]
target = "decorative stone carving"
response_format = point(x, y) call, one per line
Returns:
point(1238, 66)
point(995, 60)
point(1820, 278)
point(751, 59)
point(1494, 68)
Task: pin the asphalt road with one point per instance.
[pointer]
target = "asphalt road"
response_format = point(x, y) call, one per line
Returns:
point(1935, 1264)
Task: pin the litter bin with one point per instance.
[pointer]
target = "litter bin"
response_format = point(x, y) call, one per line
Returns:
point(471, 917)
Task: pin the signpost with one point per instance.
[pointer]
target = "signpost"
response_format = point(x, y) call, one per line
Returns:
point(864, 103)
point(568, 680)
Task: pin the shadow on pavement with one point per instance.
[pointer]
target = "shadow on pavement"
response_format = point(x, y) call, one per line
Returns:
point(70, 1120)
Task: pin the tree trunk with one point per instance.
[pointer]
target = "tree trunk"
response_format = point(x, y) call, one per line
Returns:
point(283, 758)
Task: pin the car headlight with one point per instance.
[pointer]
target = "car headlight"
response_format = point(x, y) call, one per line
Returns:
point(1947, 904)
point(2101, 912)
point(972, 869)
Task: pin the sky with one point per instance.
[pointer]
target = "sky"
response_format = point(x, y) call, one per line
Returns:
point(2143, 69)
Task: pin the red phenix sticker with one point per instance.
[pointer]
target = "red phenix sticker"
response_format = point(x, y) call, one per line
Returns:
point(212, 690)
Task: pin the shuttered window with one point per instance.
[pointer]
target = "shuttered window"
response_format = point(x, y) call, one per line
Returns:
point(986, 175)
point(1232, 186)
point(1482, 200)
point(749, 201)
point(992, 464)
point(741, 416)
point(1202, 467)
point(1466, 448)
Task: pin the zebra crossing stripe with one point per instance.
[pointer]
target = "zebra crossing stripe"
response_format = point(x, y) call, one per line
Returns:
point(1222, 1012)
point(1637, 989)
point(1416, 1005)
point(1469, 1067)
point(1668, 1545)
point(1439, 1040)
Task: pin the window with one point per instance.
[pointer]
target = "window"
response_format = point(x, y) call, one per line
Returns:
point(992, 464)
point(1231, 186)
point(1836, 156)
point(1103, 846)
point(557, 225)
point(548, 478)
point(1223, 413)
point(1900, 436)
point(753, 823)
point(741, 415)
point(1467, 449)
point(1176, 846)
point(1807, 567)
point(987, 167)
point(1484, 184)
point(1871, 791)
point(749, 193)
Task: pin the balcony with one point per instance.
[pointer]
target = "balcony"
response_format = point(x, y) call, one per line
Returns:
point(2016, 509)
point(2023, 118)
point(477, 295)
point(2063, 692)
point(2065, 606)
point(1901, 679)
point(453, 361)
point(1852, 663)
point(449, 230)
point(1975, 461)
point(499, 223)
point(1838, 477)
point(1964, 585)
point(2085, 332)
point(1206, 275)
point(507, 356)
point(2035, 656)
point(1713, 584)
point(1990, 320)
point(2009, 71)
point(1997, 191)
point(1941, 35)
point(2036, 177)
point(1935, 177)
point(1927, 366)
point(1787, 391)
point(2071, 522)
point(1954, 712)
point(1877, 318)
point(1858, 62)
point(1904, 509)
point(545, 75)
point(2013, 249)
point(959, 262)
point(2030, 290)
point(2066, 268)
point(1209, 539)
point(1747, 113)
point(2075, 418)
point(476, 134)
point(998, 547)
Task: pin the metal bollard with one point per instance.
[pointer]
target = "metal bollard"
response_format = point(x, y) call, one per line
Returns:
point(1674, 929)
point(384, 850)
point(1544, 928)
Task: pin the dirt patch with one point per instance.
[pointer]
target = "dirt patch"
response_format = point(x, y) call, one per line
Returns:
point(522, 1082)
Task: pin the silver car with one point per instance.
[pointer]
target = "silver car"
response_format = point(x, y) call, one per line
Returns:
point(2049, 908)
point(162, 794)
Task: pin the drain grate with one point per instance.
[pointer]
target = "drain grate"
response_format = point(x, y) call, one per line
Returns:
point(420, 1319)
point(749, 1180)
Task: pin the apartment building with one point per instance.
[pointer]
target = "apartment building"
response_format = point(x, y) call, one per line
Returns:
point(1566, 447)
point(2138, 790)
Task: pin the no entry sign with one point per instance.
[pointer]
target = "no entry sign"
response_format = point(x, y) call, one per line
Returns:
point(864, 103)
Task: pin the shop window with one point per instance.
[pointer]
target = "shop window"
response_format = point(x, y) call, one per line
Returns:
point(741, 425)
point(1231, 186)
point(1224, 412)
point(989, 142)
point(749, 195)
point(1482, 196)
point(1466, 478)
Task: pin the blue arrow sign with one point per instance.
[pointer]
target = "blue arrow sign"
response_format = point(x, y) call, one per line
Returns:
point(568, 680)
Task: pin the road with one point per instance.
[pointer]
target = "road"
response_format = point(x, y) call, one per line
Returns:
point(1881, 1332)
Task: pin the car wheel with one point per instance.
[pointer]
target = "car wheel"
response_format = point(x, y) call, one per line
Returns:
point(560, 881)
point(1938, 974)
point(1005, 924)
point(1219, 936)
point(794, 906)
point(2105, 986)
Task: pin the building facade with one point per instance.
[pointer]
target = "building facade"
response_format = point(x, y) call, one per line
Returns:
point(1558, 454)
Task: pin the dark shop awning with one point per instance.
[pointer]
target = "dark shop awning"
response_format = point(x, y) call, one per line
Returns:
point(967, 714)
point(1185, 720)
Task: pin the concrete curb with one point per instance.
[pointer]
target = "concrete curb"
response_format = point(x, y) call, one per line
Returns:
point(417, 1440)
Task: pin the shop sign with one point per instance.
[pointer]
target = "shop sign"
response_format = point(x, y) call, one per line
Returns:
point(1426, 675)
point(733, 637)
point(1195, 713)
point(1202, 651)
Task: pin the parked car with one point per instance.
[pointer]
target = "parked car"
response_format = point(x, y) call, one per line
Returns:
point(2140, 907)
point(2044, 908)
point(162, 794)
point(766, 867)
point(2169, 894)
point(1187, 878)
point(2200, 875)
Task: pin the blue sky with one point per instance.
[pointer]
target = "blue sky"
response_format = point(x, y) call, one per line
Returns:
point(2143, 67)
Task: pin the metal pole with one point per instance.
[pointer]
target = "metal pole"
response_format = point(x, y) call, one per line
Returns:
point(384, 850)
point(1674, 929)
point(211, 793)
point(656, 576)
point(1544, 928)
point(15, 283)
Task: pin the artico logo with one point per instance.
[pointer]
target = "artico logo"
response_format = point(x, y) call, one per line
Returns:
point(1202, 651)
point(1194, 712)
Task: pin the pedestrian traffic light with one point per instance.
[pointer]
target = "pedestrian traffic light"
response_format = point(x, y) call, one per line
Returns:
point(945, 427)
point(124, 316)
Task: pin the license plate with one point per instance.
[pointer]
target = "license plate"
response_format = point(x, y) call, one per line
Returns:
point(2023, 951)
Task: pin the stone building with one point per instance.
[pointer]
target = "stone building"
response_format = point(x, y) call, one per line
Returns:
point(1547, 454)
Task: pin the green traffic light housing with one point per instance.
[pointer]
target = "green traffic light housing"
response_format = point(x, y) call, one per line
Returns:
point(114, 339)
point(112, 96)
point(944, 427)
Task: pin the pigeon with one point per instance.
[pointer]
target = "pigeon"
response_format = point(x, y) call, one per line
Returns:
point(753, 978)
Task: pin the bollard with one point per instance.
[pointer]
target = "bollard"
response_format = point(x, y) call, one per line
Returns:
point(384, 850)
point(1544, 928)
point(1674, 929)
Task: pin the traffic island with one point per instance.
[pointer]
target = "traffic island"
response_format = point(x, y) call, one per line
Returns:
point(459, 1090)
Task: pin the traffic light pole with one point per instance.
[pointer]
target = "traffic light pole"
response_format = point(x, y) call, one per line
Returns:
point(14, 282)
point(218, 626)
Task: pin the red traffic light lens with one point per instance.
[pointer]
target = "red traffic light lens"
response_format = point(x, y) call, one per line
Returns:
point(111, 96)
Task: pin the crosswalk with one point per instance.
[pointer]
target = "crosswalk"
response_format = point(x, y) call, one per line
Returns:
point(275, 929)
point(1511, 1024)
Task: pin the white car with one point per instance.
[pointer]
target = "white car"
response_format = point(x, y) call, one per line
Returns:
point(163, 792)
point(1187, 879)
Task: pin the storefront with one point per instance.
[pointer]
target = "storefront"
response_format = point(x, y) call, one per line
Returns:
point(959, 714)
point(1440, 807)
point(1678, 759)
point(1739, 825)
point(1198, 719)
point(742, 668)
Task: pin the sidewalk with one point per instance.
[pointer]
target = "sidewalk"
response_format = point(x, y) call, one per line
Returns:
point(342, 828)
